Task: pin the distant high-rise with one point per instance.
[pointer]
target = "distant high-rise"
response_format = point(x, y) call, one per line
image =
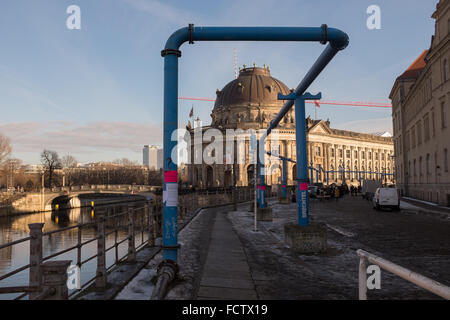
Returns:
point(146, 156)
point(152, 157)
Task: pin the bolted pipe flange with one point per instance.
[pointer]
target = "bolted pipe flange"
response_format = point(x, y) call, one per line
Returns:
point(325, 34)
point(165, 52)
point(168, 267)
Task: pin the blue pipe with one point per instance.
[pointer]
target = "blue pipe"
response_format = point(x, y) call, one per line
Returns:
point(284, 173)
point(337, 39)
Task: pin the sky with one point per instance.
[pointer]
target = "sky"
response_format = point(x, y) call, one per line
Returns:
point(97, 93)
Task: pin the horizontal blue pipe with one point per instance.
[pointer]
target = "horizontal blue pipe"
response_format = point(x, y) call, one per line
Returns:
point(337, 38)
point(281, 157)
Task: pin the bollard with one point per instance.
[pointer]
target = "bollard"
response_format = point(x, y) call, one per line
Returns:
point(131, 238)
point(35, 278)
point(100, 280)
point(54, 280)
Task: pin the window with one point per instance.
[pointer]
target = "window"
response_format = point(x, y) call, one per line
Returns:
point(317, 151)
point(428, 163)
point(376, 156)
point(426, 127)
point(415, 171)
point(445, 160)
point(445, 69)
point(356, 154)
point(432, 122)
point(409, 168)
point(347, 153)
point(332, 152)
point(420, 166)
point(341, 153)
point(419, 132)
point(363, 154)
point(443, 115)
point(370, 154)
point(435, 163)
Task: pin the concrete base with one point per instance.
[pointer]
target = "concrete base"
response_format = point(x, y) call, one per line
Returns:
point(264, 214)
point(284, 200)
point(307, 239)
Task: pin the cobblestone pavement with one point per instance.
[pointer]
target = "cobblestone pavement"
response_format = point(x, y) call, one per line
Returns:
point(418, 242)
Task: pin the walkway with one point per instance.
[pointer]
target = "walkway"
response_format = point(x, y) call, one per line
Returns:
point(226, 274)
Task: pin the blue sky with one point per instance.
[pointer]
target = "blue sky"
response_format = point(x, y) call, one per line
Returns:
point(96, 93)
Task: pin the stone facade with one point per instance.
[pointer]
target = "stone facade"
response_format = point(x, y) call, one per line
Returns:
point(420, 113)
point(250, 102)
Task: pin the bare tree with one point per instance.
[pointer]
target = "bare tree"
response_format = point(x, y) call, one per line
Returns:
point(50, 160)
point(68, 164)
point(10, 168)
point(124, 162)
point(5, 148)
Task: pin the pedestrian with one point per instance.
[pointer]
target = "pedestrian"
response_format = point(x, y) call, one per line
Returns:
point(336, 193)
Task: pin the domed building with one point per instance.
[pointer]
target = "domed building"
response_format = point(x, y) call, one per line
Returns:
point(250, 102)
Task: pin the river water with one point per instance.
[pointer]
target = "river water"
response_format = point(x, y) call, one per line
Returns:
point(15, 228)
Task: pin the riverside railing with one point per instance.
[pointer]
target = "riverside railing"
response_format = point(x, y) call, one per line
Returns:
point(419, 280)
point(141, 226)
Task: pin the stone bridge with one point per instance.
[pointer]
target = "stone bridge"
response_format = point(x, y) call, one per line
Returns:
point(72, 197)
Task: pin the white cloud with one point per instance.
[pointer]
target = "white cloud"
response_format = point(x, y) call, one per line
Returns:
point(90, 141)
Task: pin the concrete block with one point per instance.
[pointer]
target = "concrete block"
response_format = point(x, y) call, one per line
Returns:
point(264, 214)
point(307, 239)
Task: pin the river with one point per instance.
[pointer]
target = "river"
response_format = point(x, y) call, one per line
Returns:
point(16, 227)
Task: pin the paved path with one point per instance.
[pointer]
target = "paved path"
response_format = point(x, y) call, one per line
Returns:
point(226, 274)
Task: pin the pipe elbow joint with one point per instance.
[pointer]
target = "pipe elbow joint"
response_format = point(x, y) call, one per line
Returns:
point(339, 40)
point(177, 38)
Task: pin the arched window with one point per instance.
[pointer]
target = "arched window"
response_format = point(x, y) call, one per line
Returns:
point(445, 69)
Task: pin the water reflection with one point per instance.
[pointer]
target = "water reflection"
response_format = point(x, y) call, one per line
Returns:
point(14, 228)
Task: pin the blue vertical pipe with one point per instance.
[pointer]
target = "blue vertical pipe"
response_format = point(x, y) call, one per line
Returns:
point(170, 214)
point(262, 181)
point(337, 39)
point(302, 164)
point(284, 180)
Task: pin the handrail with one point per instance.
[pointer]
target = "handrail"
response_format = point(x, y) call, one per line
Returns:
point(148, 224)
point(411, 276)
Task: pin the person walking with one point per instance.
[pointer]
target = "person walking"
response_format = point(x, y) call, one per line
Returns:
point(336, 193)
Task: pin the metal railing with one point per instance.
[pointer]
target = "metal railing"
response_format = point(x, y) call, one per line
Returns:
point(413, 277)
point(144, 221)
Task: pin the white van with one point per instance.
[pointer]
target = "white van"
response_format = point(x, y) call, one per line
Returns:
point(386, 198)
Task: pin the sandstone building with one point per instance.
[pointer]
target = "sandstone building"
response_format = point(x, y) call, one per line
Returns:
point(420, 113)
point(250, 102)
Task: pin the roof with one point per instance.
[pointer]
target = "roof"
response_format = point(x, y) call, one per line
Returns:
point(414, 69)
point(253, 86)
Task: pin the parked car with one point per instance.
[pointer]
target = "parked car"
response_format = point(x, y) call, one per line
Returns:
point(386, 198)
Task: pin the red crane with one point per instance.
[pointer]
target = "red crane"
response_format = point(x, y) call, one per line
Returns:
point(327, 102)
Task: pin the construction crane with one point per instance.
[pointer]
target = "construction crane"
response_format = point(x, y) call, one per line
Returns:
point(325, 102)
